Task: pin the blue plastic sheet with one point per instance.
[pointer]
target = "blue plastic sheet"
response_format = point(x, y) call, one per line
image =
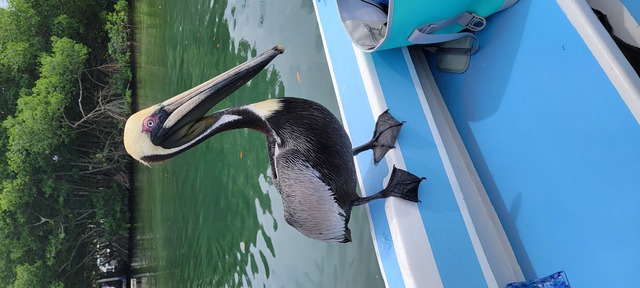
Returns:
point(555, 280)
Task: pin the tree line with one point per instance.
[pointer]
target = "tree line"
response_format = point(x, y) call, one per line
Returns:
point(64, 174)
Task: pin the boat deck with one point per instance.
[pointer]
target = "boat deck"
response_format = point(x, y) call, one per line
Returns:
point(532, 155)
point(555, 144)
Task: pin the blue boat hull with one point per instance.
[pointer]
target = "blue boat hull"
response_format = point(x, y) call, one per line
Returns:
point(532, 155)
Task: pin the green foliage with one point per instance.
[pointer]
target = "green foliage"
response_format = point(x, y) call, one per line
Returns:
point(117, 25)
point(65, 63)
point(34, 275)
point(36, 129)
point(19, 50)
point(17, 56)
point(65, 26)
point(19, 23)
point(16, 193)
point(30, 276)
point(60, 150)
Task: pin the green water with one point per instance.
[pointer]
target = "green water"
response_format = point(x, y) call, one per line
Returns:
point(212, 214)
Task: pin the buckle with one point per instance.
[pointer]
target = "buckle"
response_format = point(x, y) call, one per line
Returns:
point(476, 23)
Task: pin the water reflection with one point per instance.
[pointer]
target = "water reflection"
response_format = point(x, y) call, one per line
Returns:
point(204, 202)
point(293, 24)
point(208, 205)
point(214, 211)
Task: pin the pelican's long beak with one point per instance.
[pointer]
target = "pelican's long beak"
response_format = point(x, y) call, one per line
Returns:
point(164, 130)
point(190, 106)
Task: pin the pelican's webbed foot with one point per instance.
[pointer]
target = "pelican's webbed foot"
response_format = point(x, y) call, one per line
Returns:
point(384, 137)
point(402, 184)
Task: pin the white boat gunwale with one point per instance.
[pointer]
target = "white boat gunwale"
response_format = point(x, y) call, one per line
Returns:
point(604, 49)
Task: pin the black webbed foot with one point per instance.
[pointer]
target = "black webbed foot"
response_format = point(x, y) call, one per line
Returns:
point(384, 137)
point(402, 184)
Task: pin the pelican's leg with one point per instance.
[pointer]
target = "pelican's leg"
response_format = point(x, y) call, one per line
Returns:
point(384, 137)
point(402, 184)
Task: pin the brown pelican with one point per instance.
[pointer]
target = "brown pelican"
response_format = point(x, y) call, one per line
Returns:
point(309, 151)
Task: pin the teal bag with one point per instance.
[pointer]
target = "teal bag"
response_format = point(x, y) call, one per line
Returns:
point(373, 25)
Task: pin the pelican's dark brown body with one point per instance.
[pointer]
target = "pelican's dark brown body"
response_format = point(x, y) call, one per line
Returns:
point(309, 151)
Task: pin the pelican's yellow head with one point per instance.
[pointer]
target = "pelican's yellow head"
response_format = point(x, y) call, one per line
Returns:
point(177, 124)
point(137, 141)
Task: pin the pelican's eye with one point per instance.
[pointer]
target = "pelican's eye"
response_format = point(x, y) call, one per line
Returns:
point(148, 123)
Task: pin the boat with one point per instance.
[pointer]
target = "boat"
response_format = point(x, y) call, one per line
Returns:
point(532, 155)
